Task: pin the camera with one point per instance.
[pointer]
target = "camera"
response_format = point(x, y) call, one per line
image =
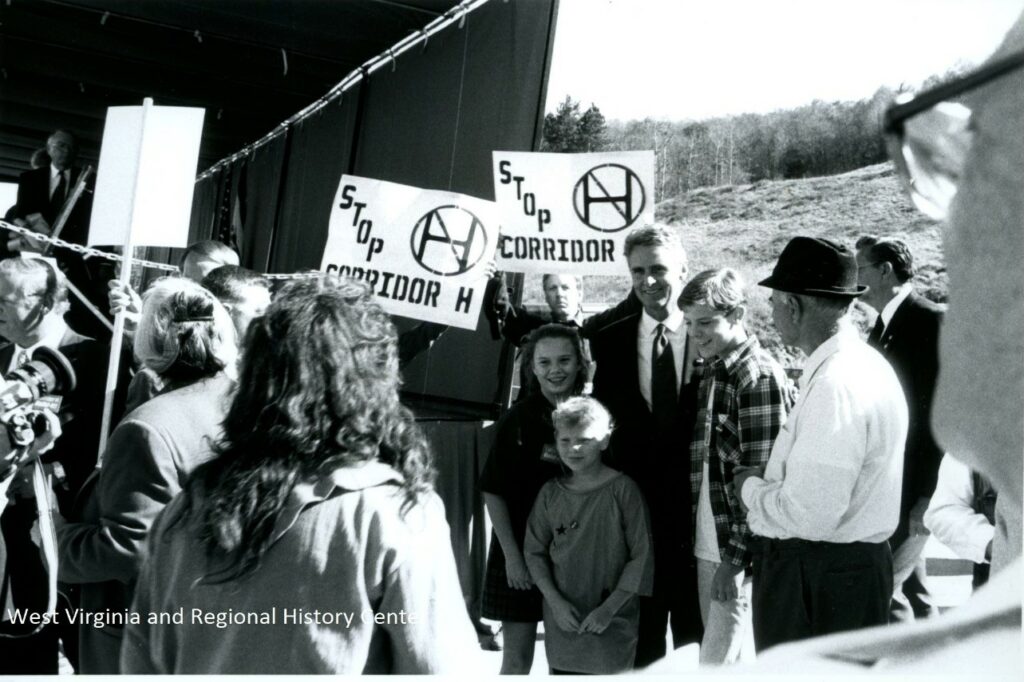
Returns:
point(30, 398)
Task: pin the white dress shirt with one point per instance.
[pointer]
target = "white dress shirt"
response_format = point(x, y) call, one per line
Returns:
point(675, 332)
point(890, 308)
point(836, 468)
point(951, 517)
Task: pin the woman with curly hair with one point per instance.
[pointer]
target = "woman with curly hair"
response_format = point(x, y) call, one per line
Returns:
point(314, 542)
point(186, 337)
point(523, 458)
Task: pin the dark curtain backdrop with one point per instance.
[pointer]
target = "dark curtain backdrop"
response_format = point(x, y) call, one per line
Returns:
point(260, 199)
point(431, 119)
point(319, 152)
point(206, 199)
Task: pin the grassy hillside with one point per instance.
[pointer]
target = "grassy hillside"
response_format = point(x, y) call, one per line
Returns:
point(746, 226)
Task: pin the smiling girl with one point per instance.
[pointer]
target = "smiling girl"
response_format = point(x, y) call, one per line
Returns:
point(523, 458)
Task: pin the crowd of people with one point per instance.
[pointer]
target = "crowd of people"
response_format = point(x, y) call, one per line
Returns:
point(265, 503)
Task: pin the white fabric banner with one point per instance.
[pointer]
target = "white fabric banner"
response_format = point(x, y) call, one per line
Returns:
point(424, 252)
point(570, 213)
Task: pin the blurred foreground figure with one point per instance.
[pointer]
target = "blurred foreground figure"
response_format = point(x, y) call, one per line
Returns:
point(977, 408)
point(314, 536)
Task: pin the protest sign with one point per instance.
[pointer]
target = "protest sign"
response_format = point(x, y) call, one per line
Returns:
point(424, 252)
point(143, 197)
point(570, 213)
point(146, 176)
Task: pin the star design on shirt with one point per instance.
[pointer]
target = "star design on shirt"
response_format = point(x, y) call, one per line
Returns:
point(561, 529)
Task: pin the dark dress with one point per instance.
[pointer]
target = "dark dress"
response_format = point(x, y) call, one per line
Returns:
point(522, 460)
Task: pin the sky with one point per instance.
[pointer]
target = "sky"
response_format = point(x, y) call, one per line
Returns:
point(696, 59)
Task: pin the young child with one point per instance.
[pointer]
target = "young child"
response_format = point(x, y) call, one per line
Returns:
point(588, 549)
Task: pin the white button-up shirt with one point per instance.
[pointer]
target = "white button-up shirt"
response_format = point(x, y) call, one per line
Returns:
point(951, 516)
point(890, 308)
point(836, 468)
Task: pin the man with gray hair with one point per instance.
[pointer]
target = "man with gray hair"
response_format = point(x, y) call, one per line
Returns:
point(33, 300)
point(42, 193)
point(643, 378)
point(826, 503)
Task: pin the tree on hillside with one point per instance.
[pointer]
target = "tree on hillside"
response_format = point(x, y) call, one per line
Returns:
point(567, 130)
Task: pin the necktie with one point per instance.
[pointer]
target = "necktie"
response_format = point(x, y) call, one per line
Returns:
point(59, 194)
point(875, 337)
point(664, 383)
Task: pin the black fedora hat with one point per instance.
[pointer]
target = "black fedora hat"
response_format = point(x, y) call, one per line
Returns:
point(816, 267)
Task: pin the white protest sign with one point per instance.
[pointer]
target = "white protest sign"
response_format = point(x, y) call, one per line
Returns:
point(146, 176)
point(570, 213)
point(424, 252)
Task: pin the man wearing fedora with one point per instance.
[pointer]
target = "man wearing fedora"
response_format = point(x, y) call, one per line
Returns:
point(824, 506)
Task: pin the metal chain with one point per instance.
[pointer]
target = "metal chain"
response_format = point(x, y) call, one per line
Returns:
point(78, 248)
point(296, 275)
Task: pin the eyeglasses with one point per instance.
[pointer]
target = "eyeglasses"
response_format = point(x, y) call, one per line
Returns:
point(928, 137)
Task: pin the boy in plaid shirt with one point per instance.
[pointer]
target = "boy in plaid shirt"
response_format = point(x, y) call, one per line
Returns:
point(743, 401)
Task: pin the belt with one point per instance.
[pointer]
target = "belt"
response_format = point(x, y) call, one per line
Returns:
point(764, 545)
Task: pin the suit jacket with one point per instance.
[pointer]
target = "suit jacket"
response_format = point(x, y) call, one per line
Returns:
point(147, 462)
point(659, 463)
point(34, 197)
point(89, 276)
point(910, 344)
point(80, 414)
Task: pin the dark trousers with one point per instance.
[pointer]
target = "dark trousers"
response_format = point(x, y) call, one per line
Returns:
point(808, 589)
point(36, 653)
point(674, 604)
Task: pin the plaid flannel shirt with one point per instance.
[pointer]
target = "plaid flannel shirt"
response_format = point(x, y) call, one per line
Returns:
point(749, 396)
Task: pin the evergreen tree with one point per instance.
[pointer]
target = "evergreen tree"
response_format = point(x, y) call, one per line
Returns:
point(567, 130)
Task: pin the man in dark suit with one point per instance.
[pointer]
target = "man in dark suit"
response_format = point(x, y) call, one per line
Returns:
point(907, 334)
point(33, 297)
point(41, 195)
point(642, 377)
